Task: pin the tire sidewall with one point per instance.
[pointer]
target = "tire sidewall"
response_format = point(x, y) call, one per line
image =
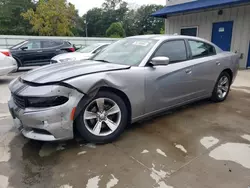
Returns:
point(88, 136)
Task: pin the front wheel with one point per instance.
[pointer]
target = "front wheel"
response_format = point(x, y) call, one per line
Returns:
point(103, 119)
point(221, 88)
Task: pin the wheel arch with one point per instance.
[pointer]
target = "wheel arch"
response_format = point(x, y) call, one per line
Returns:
point(87, 98)
point(122, 95)
point(19, 62)
point(230, 72)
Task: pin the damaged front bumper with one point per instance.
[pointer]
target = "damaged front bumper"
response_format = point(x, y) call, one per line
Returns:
point(46, 123)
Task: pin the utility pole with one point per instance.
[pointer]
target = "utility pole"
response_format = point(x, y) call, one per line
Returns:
point(86, 26)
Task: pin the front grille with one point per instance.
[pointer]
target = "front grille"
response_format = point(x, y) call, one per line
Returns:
point(19, 101)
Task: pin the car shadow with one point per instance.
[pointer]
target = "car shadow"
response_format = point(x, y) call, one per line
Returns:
point(5, 80)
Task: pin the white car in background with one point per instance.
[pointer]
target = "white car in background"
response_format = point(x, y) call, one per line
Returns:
point(81, 54)
point(7, 63)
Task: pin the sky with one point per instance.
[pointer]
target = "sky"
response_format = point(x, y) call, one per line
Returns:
point(84, 5)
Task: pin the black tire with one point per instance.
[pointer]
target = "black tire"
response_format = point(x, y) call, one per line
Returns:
point(18, 65)
point(215, 96)
point(90, 137)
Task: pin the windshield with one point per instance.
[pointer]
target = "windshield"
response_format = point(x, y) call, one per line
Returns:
point(129, 51)
point(88, 49)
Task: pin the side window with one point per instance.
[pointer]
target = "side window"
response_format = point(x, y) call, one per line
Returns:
point(200, 49)
point(49, 44)
point(175, 50)
point(33, 45)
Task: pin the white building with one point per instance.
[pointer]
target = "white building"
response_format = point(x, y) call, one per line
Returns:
point(224, 22)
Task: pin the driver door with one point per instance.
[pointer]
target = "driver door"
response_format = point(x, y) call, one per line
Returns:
point(30, 56)
point(169, 85)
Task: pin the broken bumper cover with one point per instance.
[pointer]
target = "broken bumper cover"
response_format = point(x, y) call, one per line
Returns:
point(45, 124)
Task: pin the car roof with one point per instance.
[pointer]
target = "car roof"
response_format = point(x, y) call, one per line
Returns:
point(166, 37)
point(60, 40)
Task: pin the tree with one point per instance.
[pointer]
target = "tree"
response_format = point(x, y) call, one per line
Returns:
point(52, 18)
point(95, 22)
point(10, 21)
point(98, 20)
point(113, 11)
point(115, 30)
point(79, 28)
point(146, 24)
point(129, 24)
point(162, 31)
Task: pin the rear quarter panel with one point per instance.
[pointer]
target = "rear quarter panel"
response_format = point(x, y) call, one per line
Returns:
point(229, 60)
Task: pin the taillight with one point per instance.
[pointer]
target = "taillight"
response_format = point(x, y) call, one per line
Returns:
point(72, 49)
point(7, 53)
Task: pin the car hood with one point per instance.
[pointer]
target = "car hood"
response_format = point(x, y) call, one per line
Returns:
point(75, 55)
point(64, 71)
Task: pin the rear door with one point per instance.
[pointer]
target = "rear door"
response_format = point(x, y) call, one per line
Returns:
point(206, 66)
point(50, 49)
point(172, 84)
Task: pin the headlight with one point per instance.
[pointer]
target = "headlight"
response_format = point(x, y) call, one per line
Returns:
point(46, 101)
point(67, 59)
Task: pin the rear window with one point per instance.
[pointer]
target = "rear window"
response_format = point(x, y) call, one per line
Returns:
point(201, 49)
point(49, 44)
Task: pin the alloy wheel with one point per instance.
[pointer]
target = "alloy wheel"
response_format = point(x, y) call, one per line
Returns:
point(102, 116)
point(223, 87)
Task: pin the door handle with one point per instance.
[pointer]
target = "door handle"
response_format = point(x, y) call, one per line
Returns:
point(218, 63)
point(188, 71)
point(40, 51)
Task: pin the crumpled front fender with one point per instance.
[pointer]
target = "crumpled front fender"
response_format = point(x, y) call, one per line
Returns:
point(130, 82)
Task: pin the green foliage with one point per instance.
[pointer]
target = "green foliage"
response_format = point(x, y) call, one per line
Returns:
point(11, 23)
point(135, 21)
point(162, 31)
point(52, 18)
point(115, 30)
point(59, 18)
point(145, 23)
point(95, 22)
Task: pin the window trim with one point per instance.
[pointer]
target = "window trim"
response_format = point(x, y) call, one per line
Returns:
point(97, 49)
point(190, 27)
point(191, 55)
point(169, 40)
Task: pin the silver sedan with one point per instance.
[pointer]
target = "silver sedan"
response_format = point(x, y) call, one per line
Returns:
point(81, 54)
point(130, 80)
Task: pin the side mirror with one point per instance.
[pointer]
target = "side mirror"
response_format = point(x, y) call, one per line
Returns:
point(24, 48)
point(161, 60)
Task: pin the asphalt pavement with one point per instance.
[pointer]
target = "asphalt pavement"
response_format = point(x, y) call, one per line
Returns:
point(202, 145)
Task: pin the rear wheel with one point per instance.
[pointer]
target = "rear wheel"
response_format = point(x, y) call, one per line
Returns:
point(103, 119)
point(221, 88)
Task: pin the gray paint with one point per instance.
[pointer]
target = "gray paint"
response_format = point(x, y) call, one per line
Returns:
point(204, 20)
point(150, 90)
